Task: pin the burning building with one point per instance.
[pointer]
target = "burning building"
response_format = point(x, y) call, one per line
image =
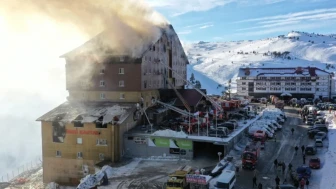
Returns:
point(105, 82)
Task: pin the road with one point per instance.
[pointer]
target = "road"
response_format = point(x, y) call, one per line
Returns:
point(283, 150)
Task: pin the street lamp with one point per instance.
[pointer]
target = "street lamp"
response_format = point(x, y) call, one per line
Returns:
point(219, 155)
point(202, 171)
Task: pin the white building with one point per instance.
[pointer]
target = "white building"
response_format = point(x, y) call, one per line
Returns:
point(301, 82)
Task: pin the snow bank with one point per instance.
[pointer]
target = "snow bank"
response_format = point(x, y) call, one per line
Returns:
point(170, 133)
point(125, 170)
point(328, 170)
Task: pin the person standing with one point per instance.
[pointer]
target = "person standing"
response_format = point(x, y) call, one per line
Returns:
point(275, 164)
point(254, 181)
point(292, 131)
point(302, 183)
point(283, 168)
point(290, 167)
point(277, 181)
point(259, 186)
point(304, 159)
point(274, 135)
point(296, 149)
point(302, 149)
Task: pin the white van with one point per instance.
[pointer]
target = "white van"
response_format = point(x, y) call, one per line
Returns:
point(226, 180)
point(253, 129)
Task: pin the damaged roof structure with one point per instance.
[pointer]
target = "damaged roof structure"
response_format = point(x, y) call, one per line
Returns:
point(89, 112)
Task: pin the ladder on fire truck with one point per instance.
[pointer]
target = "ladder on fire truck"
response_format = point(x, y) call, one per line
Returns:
point(215, 104)
point(178, 94)
point(171, 107)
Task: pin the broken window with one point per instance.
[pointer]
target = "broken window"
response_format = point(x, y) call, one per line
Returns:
point(102, 142)
point(78, 121)
point(121, 83)
point(79, 155)
point(145, 84)
point(99, 123)
point(102, 95)
point(121, 71)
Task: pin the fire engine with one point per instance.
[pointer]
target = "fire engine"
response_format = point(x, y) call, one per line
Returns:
point(260, 136)
point(250, 155)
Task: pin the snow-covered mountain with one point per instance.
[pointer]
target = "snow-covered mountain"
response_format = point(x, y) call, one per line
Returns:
point(215, 63)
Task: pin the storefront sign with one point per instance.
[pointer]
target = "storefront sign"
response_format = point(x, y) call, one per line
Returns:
point(161, 142)
point(81, 132)
point(184, 144)
point(198, 179)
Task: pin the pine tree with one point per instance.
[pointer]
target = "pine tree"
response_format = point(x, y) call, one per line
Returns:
point(192, 78)
point(198, 84)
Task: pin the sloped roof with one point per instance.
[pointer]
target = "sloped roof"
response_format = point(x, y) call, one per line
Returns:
point(305, 71)
point(88, 112)
point(101, 46)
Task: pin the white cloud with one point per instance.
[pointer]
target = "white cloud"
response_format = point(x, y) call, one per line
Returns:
point(298, 20)
point(184, 32)
point(206, 26)
point(179, 7)
point(197, 25)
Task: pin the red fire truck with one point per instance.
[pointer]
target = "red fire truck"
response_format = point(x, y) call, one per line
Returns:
point(250, 155)
point(260, 136)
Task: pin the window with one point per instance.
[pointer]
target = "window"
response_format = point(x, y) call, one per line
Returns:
point(79, 141)
point(101, 156)
point(244, 88)
point(102, 95)
point(79, 155)
point(58, 153)
point(122, 96)
point(102, 83)
point(153, 47)
point(102, 71)
point(121, 71)
point(101, 142)
point(243, 83)
point(121, 83)
point(122, 59)
point(145, 84)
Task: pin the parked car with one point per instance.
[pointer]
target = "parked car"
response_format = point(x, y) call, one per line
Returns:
point(320, 135)
point(315, 163)
point(312, 133)
point(227, 124)
point(318, 142)
point(237, 116)
point(318, 127)
point(286, 186)
point(310, 121)
point(310, 150)
point(303, 172)
point(218, 133)
point(235, 122)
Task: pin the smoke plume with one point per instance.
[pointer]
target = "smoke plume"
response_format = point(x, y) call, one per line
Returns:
point(33, 34)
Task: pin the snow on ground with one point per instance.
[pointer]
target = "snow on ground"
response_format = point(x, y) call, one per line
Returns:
point(217, 62)
point(170, 133)
point(327, 173)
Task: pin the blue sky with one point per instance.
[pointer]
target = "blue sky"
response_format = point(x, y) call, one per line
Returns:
point(230, 20)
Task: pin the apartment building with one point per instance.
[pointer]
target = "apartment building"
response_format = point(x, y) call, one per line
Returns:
point(106, 89)
point(300, 82)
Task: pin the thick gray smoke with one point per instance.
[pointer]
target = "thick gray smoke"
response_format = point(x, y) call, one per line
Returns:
point(33, 34)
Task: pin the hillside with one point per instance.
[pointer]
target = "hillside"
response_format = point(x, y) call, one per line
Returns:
point(217, 62)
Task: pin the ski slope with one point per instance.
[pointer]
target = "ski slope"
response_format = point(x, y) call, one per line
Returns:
point(215, 63)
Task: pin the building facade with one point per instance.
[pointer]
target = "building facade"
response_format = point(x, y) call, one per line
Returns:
point(300, 82)
point(105, 89)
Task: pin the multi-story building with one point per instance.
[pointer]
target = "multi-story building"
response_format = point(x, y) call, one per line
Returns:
point(105, 85)
point(300, 82)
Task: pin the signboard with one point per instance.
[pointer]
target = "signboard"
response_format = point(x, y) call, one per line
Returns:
point(184, 144)
point(197, 179)
point(161, 142)
point(140, 140)
point(81, 132)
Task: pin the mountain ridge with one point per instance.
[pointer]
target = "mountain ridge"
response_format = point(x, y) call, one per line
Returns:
point(220, 61)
